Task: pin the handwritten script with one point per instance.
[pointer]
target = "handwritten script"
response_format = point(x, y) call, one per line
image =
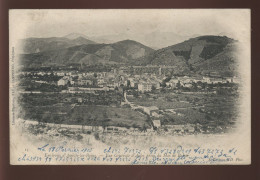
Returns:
point(132, 156)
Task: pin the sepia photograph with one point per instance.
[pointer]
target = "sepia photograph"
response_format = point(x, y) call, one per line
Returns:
point(130, 87)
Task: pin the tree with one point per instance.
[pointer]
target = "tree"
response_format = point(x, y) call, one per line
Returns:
point(163, 90)
point(194, 86)
point(153, 88)
point(134, 125)
point(105, 115)
point(208, 117)
point(37, 117)
point(79, 119)
point(104, 125)
point(191, 68)
point(144, 129)
point(56, 119)
point(135, 94)
point(204, 85)
point(45, 118)
point(178, 85)
point(163, 84)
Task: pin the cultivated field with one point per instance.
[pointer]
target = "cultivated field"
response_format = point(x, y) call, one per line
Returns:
point(64, 108)
point(205, 109)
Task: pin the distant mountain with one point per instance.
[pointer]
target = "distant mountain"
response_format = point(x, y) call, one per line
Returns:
point(120, 52)
point(35, 45)
point(156, 39)
point(203, 54)
point(81, 40)
point(75, 36)
point(103, 40)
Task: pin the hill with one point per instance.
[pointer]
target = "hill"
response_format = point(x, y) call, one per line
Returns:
point(202, 54)
point(120, 52)
point(35, 45)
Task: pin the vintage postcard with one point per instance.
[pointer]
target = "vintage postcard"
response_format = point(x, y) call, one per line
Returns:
point(130, 87)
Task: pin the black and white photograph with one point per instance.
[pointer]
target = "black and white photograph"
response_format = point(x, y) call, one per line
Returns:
point(130, 86)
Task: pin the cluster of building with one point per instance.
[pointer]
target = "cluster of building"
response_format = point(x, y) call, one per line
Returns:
point(145, 82)
point(116, 78)
point(142, 83)
point(186, 81)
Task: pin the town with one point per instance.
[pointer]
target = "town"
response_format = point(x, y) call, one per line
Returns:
point(129, 99)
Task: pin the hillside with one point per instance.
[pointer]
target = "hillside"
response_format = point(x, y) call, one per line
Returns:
point(202, 54)
point(224, 63)
point(35, 45)
point(120, 52)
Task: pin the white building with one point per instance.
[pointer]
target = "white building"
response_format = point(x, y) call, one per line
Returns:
point(150, 109)
point(60, 73)
point(62, 82)
point(172, 83)
point(206, 79)
point(144, 87)
point(157, 123)
point(155, 114)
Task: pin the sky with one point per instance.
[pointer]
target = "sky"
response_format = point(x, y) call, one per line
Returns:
point(134, 24)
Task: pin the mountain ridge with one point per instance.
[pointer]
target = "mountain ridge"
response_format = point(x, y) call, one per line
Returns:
point(197, 55)
point(203, 54)
point(35, 45)
point(120, 52)
point(72, 36)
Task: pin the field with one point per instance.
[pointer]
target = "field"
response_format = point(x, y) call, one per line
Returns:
point(209, 110)
point(162, 101)
point(64, 108)
point(105, 115)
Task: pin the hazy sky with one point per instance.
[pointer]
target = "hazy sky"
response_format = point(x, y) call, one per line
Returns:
point(49, 23)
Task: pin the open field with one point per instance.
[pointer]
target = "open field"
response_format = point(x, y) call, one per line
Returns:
point(160, 102)
point(105, 115)
point(205, 109)
point(56, 108)
point(103, 109)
